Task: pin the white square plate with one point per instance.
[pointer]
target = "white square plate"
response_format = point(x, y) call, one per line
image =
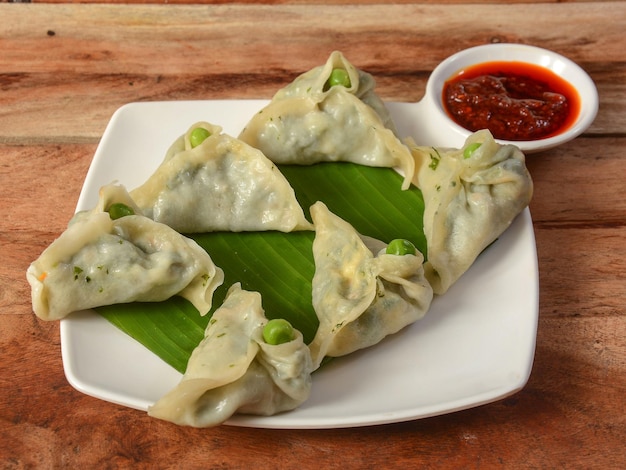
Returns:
point(475, 345)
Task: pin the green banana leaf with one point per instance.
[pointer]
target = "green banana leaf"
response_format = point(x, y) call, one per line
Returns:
point(279, 265)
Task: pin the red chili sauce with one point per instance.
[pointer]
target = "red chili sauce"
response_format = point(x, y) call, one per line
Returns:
point(514, 100)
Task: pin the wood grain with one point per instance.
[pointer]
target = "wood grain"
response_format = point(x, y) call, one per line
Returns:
point(100, 59)
point(65, 68)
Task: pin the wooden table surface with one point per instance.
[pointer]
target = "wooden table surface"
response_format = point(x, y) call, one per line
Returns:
point(65, 68)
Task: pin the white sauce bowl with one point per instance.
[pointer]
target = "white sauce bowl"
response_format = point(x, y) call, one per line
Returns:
point(436, 128)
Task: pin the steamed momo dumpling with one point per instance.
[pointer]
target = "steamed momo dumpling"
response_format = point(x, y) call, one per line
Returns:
point(471, 196)
point(359, 296)
point(222, 184)
point(308, 122)
point(233, 370)
point(99, 261)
